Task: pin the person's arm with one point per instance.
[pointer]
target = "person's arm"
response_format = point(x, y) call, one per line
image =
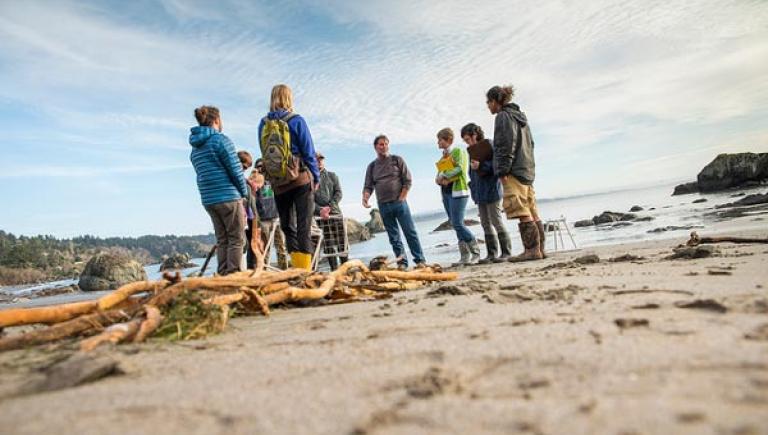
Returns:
point(368, 185)
point(486, 168)
point(405, 178)
point(504, 141)
point(306, 147)
point(228, 157)
point(336, 194)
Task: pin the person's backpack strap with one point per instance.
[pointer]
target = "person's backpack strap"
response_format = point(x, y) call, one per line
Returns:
point(288, 116)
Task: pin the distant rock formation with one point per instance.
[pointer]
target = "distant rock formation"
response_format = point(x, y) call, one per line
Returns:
point(635, 208)
point(375, 225)
point(110, 271)
point(357, 232)
point(729, 171)
point(611, 217)
point(447, 225)
point(176, 261)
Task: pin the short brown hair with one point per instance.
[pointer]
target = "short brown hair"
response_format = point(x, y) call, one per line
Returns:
point(500, 94)
point(245, 158)
point(380, 137)
point(445, 134)
point(282, 98)
point(473, 129)
point(206, 115)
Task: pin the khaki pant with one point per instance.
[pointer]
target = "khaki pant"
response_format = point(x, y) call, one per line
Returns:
point(229, 226)
point(519, 199)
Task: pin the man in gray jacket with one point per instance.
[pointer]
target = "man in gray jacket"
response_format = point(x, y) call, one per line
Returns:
point(514, 164)
point(327, 198)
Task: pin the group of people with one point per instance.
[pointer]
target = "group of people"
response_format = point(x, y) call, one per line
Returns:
point(289, 184)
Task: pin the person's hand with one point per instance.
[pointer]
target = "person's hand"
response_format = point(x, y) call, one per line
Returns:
point(315, 186)
point(504, 178)
point(325, 212)
point(474, 164)
point(439, 180)
point(365, 203)
point(403, 194)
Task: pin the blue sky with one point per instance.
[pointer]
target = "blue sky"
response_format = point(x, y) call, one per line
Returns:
point(96, 98)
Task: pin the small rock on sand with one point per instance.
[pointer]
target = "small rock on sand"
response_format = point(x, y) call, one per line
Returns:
point(587, 259)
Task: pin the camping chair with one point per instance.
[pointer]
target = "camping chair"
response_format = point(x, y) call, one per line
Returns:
point(555, 226)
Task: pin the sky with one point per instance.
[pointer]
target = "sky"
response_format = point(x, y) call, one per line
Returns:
point(97, 98)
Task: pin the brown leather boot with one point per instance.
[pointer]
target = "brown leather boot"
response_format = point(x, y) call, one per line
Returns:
point(542, 238)
point(529, 234)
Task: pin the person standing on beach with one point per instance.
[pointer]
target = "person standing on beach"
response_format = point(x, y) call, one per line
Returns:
point(251, 214)
point(221, 184)
point(267, 212)
point(327, 198)
point(389, 177)
point(514, 164)
point(454, 189)
point(485, 188)
point(288, 155)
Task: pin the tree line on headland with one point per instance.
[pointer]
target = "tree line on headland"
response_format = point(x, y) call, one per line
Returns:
point(25, 259)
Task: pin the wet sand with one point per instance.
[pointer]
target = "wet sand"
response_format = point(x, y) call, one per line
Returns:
point(645, 346)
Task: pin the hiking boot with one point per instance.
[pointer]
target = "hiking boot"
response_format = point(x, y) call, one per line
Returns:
point(492, 249)
point(402, 266)
point(505, 243)
point(464, 255)
point(422, 265)
point(529, 234)
point(474, 251)
point(542, 238)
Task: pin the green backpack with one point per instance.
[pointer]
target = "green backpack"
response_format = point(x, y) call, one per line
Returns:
point(280, 165)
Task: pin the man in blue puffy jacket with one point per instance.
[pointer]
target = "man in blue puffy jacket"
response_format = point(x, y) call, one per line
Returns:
point(222, 186)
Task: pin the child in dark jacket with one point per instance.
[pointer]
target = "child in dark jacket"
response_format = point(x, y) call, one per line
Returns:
point(485, 189)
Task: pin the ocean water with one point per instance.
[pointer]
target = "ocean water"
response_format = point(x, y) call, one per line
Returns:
point(440, 247)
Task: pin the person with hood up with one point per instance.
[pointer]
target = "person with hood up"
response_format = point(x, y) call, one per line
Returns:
point(514, 164)
point(294, 177)
point(221, 184)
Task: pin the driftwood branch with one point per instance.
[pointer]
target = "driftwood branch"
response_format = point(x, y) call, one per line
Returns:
point(54, 314)
point(126, 291)
point(113, 334)
point(698, 240)
point(150, 324)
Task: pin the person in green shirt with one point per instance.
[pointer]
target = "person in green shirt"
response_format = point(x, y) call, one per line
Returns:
point(455, 192)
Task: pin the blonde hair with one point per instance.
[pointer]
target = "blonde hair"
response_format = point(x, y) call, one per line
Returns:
point(282, 98)
point(445, 134)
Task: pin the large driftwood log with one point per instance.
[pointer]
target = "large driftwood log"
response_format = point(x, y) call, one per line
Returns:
point(415, 275)
point(150, 324)
point(54, 314)
point(114, 334)
point(698, 240)
point(294, 294)
point(80, 325)
point(126, 291)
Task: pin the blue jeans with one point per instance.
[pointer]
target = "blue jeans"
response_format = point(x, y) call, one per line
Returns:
point(397, 213)
point(454, 208)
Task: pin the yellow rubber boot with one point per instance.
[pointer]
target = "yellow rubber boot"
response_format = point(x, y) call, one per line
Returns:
point(300, 260)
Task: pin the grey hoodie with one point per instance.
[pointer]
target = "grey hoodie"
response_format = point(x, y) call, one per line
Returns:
point(513, 145)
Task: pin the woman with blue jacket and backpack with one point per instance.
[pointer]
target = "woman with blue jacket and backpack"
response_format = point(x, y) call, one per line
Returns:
point(288, 155)
point(222, 186)
point(485, 189)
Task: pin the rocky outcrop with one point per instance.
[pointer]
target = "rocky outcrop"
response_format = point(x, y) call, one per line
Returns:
point(748, 200)
point(733, 170)
point(612, 217)
point(447, 225)
point(635, 208)
point(176, 261)
point(686, 188)
point(729, 171)
point(110, 271)
point(375, 225)
point(357, 232)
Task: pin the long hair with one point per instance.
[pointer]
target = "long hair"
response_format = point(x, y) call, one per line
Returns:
point(282, 98)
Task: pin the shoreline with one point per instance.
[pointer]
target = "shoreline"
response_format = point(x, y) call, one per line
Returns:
point(648, 345)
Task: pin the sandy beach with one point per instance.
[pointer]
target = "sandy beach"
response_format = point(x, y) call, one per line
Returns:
point(646, 345)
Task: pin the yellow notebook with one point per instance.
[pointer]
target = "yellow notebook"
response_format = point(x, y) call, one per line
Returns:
point(445, 164)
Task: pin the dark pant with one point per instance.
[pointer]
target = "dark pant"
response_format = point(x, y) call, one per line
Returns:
point(455, 208)
point(295, 208)
point(229, 226)
point(397, 213)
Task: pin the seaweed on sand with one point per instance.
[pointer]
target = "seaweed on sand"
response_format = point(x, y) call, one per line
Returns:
point(187, 318)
